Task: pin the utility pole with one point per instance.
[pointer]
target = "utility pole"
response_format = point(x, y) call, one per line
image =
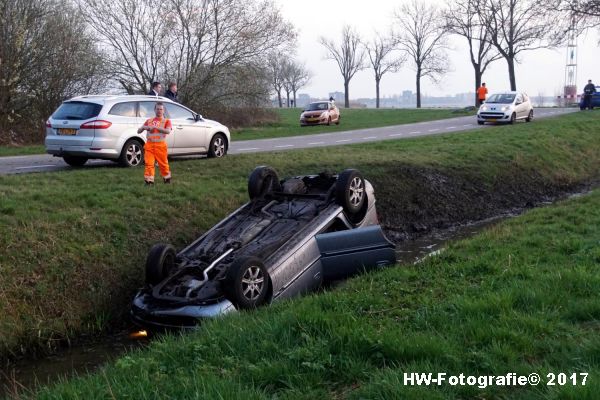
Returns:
point(570, 89)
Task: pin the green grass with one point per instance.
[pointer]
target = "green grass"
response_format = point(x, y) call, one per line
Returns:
point(73, 243)
point(289, 121)
point(21, 150)
point(521, 297)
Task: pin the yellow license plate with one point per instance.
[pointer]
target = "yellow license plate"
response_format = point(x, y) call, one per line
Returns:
point(67, 131)
point(493, 119)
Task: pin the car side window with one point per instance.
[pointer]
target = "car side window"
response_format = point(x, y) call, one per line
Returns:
point(519, 99)
point(123, 109)
point(146, 109)
point(176, 112)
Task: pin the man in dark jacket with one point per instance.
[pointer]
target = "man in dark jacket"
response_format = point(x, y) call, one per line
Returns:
point(171, 92)
point(155, 90)
point(588, 91)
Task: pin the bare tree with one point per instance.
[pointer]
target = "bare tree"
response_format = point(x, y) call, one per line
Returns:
point(463, 19)
point(46, 55)
point(421, 33)
point(380, 52)
point(198, 43)
point(297, 76)
point(276, 75)
point(515, 26)
point(348, 55)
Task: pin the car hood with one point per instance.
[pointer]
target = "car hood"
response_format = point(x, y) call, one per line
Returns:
point(213, 123)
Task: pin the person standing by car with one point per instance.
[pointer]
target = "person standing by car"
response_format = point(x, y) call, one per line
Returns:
point(588, 92)
point(155, 90)
point(481, 94)
point(171, 92)
point(156, 146)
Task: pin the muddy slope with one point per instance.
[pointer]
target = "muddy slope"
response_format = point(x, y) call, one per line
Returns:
point(413, 201)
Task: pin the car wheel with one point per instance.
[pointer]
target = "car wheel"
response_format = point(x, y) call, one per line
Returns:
point(160, 263)
point(247, 283)
point(218, 146)
point(262, 181)
point(480, 122)
point(513, 118)
point(338, 120)
point(75, 161)
point(328, 121)
point(350, 191)
point(530, 116)
point(132, 154)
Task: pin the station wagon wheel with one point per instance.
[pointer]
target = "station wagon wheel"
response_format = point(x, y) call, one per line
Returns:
point(132, 154)
point(75, 161)
point(350, 191)
point(513, 118)
point(160, 263)
point(247, 283)
point(218, 146)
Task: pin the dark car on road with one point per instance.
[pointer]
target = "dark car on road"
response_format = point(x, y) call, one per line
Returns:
point(292, 236)
point(595, 100)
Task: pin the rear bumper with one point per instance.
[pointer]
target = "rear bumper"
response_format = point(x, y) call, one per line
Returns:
point(81, 151)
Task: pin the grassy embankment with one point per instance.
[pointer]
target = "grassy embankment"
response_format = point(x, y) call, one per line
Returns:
point(522, 297)
point(21, 150)
point(357, 118)
point(73, 243)
point(288, 125)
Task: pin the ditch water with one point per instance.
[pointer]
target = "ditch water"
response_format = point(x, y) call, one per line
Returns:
point(27, 374)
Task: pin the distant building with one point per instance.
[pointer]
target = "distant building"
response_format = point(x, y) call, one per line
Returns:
point(302, 99)
point(337, 96)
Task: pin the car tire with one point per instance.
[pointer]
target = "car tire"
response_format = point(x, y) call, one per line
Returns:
point(328, 121)
point(160, 263)
point(480, 122)
point(247, 283)
point(218, 146)
point(529, 117)
point(350, 191)
point(513, 118)
point(263, 180)
point(338, 120)
point(75, 161)
point(132, 154)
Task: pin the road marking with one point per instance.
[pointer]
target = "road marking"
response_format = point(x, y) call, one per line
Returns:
point(249, 149)
point(38, 166)
point(284, 145)
point(467, 124)
point(414, 133)
point(370, 137)
point(313, 143)
point(433, 130)
point(343, 140)
point(396, 134)
point(451, 127)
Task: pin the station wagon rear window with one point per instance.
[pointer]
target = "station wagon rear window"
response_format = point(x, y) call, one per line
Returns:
point(77, 110)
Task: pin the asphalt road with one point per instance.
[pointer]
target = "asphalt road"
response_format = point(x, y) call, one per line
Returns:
point(44, 163)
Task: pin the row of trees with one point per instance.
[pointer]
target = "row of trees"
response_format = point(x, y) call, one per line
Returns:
point(493, 29)
point(287, 75)
point(54, 49)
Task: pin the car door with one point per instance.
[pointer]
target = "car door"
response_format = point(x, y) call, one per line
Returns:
point(146, 111)
point(190, 136)
point(333, 112)
point(519, 106)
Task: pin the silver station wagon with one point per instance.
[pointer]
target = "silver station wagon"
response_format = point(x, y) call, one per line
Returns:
point(105, 127)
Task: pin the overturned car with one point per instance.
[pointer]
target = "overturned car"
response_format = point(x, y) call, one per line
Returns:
point(287, 240)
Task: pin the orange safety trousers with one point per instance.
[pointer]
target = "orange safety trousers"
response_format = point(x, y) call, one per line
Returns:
point(156, 151)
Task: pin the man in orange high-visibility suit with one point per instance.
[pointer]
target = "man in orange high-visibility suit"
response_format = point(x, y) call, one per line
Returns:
point(156, 146)
point(481, 94)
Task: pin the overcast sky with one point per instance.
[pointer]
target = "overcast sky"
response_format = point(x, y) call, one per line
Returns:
point(540, 71)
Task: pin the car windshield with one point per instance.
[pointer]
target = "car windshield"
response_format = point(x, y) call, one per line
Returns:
point(317, 106)
point(503, 98)
point(77, 110)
